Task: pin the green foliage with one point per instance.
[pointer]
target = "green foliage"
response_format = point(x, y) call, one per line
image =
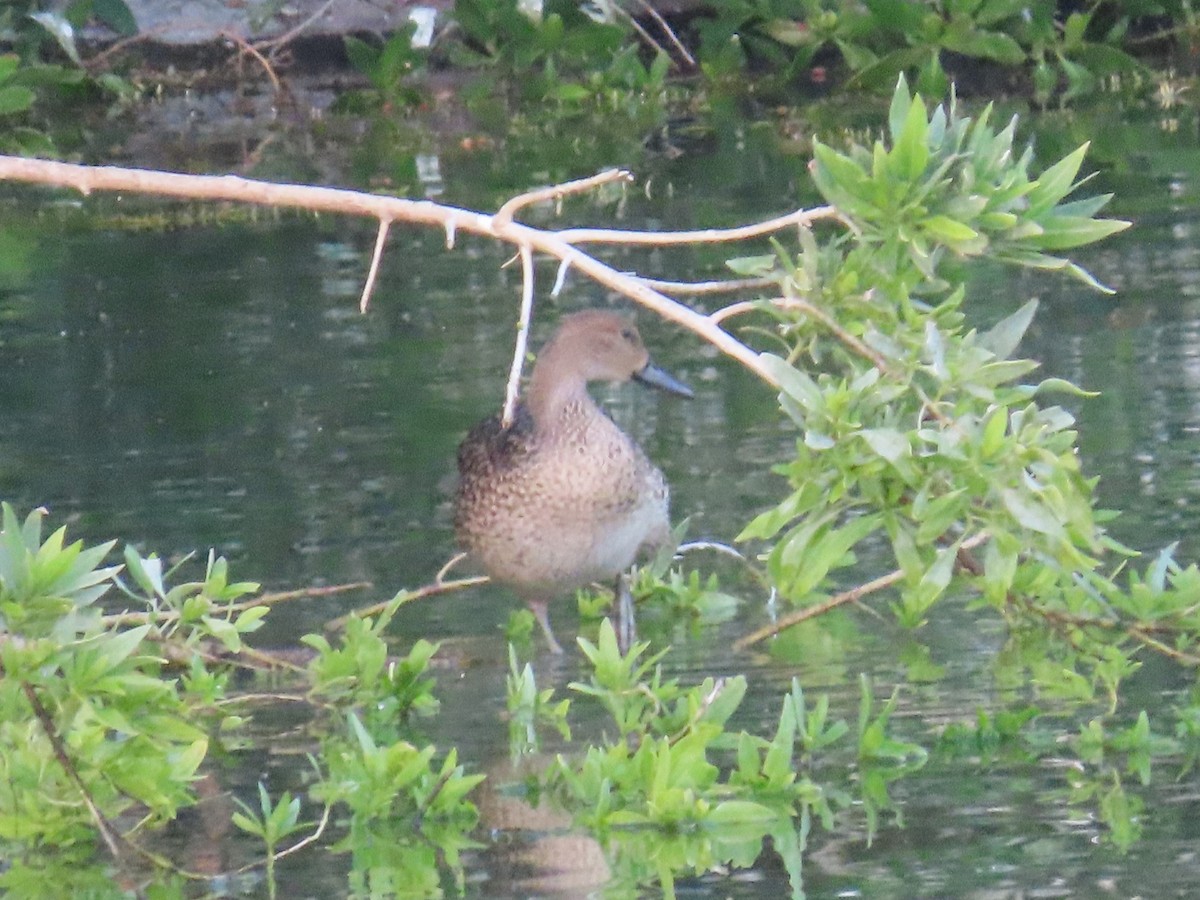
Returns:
point(917, 430)
point(396, 792)
point(562, 56)
point(397, 796)
point(93, 723)
point(272, 822)
point(530, 709)
point(33, 73)
point(684, 596)
point(389, 68)
point(923, 448)
point(75, 683)
point(881, 39)
point(361, 673)
point(674, 790)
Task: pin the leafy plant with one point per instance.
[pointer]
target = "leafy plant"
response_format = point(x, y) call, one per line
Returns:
point(93, 723)
point(881, 39)
point(921, 445)
point(560, 54)
point(272, 822)
point(389, 67)
point(362, 673)
point(675, 790)
point(88, 726)
point(34, 73)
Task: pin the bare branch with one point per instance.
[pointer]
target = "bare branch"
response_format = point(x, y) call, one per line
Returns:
point(274, 43)
point(373, 272)
point(851, 596)
point(853, 343)
point(642, 32)
point(424, 212)
point(708, 287)
point(556, 192)
point(667, 30)
point(512, 389)
point(245, 47)
point(166, 616)
point(704, 236)
point(734, 309)
point(439, 585)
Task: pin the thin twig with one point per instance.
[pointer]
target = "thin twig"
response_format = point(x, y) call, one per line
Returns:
point(166, 617)
point(262, 697)
point(734, 309)
point(560, 279)
point(272, 43)
point(809, 612)
point(248, 49)
point(513, 387)
point(703, 236)
point(1140, 634)
point(668, 31)
point(872, 356)
point(306, 593)
point(851, 596)
point(299, 845)
point(641, 31)
point(795, 303)
point(373, 271)
point(450, 564)
point(435, 587)
point(729, 286)
point(100, 60)
point(505, 214)
point(715, 546)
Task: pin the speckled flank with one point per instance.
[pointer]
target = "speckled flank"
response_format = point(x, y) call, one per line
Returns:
point(563, 497)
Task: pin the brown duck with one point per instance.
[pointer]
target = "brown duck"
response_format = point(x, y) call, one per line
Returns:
point(563, 497)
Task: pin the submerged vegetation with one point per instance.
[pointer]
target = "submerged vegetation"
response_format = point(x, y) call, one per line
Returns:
point(921, 445)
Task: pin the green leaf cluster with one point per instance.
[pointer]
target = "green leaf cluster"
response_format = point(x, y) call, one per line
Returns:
point(924, 448)
point(361, 671)
point(41, 66)
point(944, 183)
point(71, 683)
point(675, 790)
point(878, 40)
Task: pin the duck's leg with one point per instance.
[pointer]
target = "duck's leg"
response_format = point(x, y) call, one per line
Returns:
point(540, 612)
point(626, 617)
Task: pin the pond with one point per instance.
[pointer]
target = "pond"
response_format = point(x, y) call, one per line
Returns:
point(213, 386)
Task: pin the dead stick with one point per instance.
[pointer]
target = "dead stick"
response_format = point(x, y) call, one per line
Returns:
point(322, 199)
point(373, 271)
point(702, 236)
point(140, 618)
point(513, 387)
point(429, 590)
point(556, 192)
point(669, 31)
point(851, 596)
point(730, 286)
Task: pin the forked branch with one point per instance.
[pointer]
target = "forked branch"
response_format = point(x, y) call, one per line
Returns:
point(560, 245)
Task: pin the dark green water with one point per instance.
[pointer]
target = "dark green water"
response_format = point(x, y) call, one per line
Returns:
point(216, 387)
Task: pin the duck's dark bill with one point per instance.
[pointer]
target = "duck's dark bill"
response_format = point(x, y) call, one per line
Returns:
point(660, 378)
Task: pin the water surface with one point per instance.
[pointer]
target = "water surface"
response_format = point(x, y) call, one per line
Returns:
point(201, 387)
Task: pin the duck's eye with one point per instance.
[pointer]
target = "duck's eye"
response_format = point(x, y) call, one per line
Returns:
point(629, 334)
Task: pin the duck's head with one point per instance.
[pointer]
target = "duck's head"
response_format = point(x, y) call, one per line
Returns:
point(600, 345)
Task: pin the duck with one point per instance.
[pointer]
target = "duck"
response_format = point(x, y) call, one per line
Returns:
point(561, 497)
